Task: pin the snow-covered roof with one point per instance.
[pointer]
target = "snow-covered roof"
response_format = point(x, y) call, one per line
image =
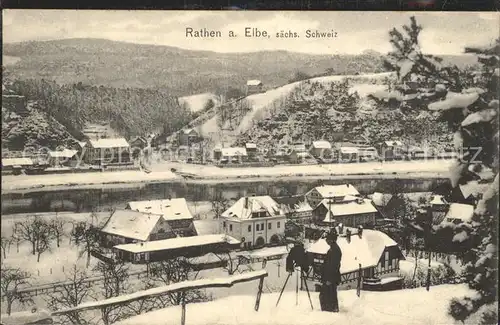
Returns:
point(349, 150)
point(345, 209)
point(176, 243)
point(82, 144)
point(131, 224)
point(170, 209)
point(336, 190)
point(16, 162)
point(142, 139)
point(321, 144)
point(26, 317)
point(393, 143)
point(187, 131)
point(255, 204)
point(249, 145)
point(254, 82)
point(109, 143)
point(381, 199)
point(461, 212)
point(66, 153)
point(365, 250)
point(234, 152)
point(438, 200)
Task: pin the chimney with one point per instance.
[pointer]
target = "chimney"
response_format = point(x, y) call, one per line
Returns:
point(169, 198)
point(360, 231)
point(348, 235)
point(347, 185)
point(246, 202)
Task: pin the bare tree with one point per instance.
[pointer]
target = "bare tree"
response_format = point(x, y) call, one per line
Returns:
point(12, 279)
point(71, 294)
point(172, 271)
point(57, 225)
point(231, 264)
point(33, 230)
point(5, 242)
point(115, 283)
point(86, 236)
point(43, 244)
point(219, 204)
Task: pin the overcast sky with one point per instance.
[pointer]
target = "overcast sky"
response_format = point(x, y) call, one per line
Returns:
point(444, 32)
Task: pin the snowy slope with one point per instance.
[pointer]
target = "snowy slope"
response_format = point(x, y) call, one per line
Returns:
point(412, 307)
point(197, 102)
point(259, 102)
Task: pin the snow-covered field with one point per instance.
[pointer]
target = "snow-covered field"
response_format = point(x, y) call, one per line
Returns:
point(161, 172)
point(197, 102)
point(411, 307)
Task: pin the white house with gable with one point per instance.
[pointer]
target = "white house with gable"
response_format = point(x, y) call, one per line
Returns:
point(333, 192)
point(256, 221)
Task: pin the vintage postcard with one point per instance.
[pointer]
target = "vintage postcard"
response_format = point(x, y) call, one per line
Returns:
point(248, 168)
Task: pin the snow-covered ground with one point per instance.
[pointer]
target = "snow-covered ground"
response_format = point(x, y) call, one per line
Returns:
point(415, 306)
point(197, 102)
point(161, 172)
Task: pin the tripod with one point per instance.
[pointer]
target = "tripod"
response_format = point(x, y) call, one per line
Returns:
point(302, 281)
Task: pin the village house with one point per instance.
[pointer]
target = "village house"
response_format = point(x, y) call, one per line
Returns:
point(335, 192)
point(175, 212)
point(298, 153)
point(386, 203)
point(233, 155)
point(107, 151)
point(16, 165)
point(346, 151)
point(138, 142)
point(251, 149)
point(129, 226)
point(321, 149)
point(165, 249)
point(351, 211)
point(187, 137)
point(369, 254)
point(392, 150)
point(458, 213)
point(254, 86)
point(66, 158)
point(368, 153)
point(295, 208)
point(256, 221)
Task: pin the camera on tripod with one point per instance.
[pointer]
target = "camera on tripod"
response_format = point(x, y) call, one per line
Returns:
point(298, 258)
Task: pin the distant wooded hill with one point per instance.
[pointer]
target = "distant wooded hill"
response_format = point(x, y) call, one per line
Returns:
point(177, 71)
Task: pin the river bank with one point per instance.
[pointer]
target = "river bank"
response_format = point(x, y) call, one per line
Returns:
point(161, 173)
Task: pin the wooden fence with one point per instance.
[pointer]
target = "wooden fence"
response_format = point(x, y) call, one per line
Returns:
point(174, 288)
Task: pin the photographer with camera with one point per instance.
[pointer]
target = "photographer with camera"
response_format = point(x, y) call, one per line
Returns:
point(330, 275)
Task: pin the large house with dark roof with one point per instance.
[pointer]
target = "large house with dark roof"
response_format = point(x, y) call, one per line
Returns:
point(256, 221)
point(107, 151)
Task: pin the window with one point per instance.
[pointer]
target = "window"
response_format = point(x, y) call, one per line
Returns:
point(223, 224)
point(257, 227)
point(278, 224)
point(386, 259)
point(262, 226)
point(230, 227)
point(269, 226)
point(249, 228)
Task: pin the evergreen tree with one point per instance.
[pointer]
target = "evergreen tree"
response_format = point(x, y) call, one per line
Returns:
point(469, 103)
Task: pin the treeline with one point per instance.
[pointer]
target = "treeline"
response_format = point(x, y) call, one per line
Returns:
point(131, 111)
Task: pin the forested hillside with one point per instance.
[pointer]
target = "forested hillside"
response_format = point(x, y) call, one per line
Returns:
point(131, 111)
point(329, 111)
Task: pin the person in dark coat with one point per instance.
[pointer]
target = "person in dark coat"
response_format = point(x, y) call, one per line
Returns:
point(330, 275)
